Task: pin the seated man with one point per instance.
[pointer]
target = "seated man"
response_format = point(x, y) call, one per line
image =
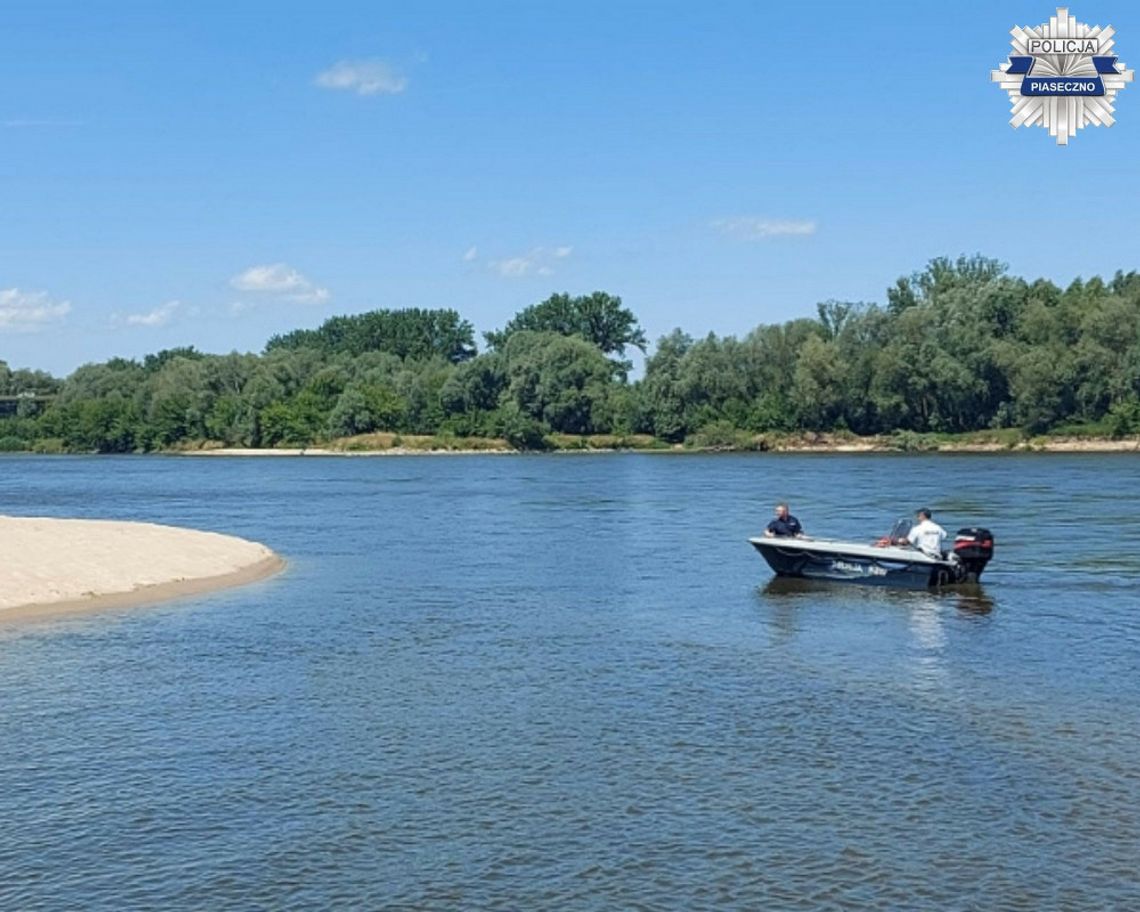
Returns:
point(784, 525)
point(926, 534)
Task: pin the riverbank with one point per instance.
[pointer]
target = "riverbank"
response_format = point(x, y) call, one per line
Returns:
point(998, 442)
point(51, 567)
point(719, 440)
point(389, 444)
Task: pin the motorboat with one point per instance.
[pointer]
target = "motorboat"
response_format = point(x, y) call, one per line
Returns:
point(889, 561)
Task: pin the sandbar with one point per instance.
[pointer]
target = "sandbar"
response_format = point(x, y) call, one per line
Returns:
point(54, 567)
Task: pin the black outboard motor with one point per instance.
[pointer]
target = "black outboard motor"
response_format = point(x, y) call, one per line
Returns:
point(973, 547)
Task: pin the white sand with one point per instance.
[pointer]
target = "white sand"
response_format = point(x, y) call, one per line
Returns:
point(322, 451)
point(57, 566)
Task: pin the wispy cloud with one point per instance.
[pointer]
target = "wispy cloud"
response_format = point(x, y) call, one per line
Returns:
point(513, 267)
point(539, 261)
point(280, 280)
point(31, 124)
point(471, 255)
point(29, 311)
point(160, 316)
point(364, 77)
point(753, 228)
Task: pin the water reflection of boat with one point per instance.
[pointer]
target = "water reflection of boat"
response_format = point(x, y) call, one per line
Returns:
point(975, 602)
point(967, 598)
point(888, 562)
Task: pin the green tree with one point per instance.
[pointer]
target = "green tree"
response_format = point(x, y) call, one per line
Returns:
point(178, 399)
point(599, 318)
point(1041, 384)
point(411, 333)
point(819, 381)
point(560, 381)
point(362, 409)
point(663, 393)
point(476, 386)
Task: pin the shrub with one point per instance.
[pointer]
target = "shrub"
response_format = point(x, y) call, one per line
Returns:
point(522, 432)
point(913, 442)
point(52, 445)
point(721, 435)
point(1124, 418)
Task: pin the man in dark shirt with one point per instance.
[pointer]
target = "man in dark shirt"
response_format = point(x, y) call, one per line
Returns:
point(784, 525)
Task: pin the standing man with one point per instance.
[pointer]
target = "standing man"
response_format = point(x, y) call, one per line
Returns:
point(784, 525)
point(926, 534)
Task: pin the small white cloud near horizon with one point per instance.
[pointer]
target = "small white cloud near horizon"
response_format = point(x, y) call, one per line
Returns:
point(754, 228)
point(281, 280)
point(471, 255)
point(364, 77)
point(540, 261)
point(29, 311)
point(160, 316)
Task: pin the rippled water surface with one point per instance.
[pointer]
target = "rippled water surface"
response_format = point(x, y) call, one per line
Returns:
point(566, 682)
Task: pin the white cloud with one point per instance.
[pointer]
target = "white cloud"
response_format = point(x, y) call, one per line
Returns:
point(276, 277)
point(364, 77)
point(160, 316)
point(281, 280)
point(752, 228)
point(28, 311)
point(514, 267)
point(540, 261)
point(471, 255)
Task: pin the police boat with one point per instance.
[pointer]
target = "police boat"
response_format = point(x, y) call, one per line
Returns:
point(890, 561)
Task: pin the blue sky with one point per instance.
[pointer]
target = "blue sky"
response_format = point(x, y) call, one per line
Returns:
point(213, 173)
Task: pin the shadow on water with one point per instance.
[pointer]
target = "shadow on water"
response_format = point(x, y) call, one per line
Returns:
point(785, 592)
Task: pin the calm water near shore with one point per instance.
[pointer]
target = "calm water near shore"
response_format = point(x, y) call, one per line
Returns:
point(567, 682)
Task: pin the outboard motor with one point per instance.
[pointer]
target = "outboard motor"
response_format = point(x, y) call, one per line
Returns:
point(973, 547)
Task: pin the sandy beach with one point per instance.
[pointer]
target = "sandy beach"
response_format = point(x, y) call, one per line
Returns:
point(69, 566)
point(817, 443)
point(325, 451)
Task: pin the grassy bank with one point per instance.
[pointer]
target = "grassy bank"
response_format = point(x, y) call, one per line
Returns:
point(710, 440)
point(1064, 440)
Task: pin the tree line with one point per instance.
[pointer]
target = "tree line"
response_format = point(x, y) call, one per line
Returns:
point(958, 346)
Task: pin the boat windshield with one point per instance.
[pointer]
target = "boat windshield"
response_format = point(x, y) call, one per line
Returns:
point(899, 531)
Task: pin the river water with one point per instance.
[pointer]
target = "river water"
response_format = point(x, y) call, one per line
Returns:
point(567, 682)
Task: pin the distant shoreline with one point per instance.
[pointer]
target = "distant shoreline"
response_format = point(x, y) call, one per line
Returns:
point(824, 445)
point(392, 444)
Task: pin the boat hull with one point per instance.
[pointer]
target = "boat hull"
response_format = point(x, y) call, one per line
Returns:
point(890, 567)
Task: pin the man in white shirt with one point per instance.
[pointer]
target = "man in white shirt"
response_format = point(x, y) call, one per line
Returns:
point(926, 534)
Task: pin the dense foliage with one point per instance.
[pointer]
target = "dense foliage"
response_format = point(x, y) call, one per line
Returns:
point(597, 318)
point(959, 346)
point(411, 333)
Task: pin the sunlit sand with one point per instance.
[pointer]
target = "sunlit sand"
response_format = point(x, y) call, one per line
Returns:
point(68, 566)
